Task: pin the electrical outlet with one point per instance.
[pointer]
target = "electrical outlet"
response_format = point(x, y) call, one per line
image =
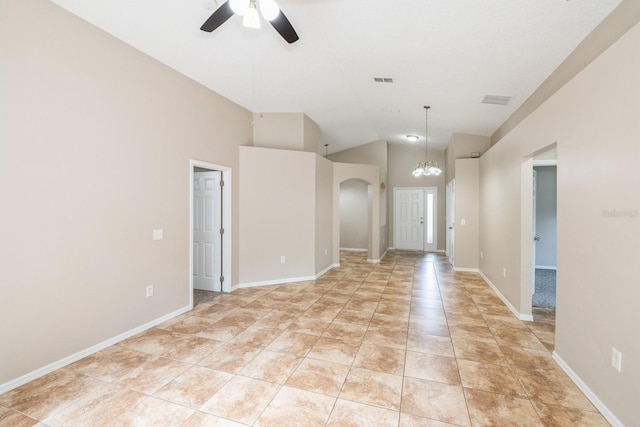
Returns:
point(504, 272)
point(481, 254)
point(616, 359)
point(325, 251)
point(149, 291)
point(463, 222)
point(283, 259)
point(158, 234)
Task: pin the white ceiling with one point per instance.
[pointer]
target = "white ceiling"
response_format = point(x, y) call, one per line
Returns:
point(445, 53)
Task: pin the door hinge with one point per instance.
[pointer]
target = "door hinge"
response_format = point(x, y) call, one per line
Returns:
point(221, 231)
point(221, 279)
point(221, 183)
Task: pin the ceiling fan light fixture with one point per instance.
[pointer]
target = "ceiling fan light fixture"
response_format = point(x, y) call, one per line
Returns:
point(239, 7)
point(251, 17)
point(269, 9)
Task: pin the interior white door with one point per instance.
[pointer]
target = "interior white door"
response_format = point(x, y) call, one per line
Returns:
point(207, 246)
point(409, 218)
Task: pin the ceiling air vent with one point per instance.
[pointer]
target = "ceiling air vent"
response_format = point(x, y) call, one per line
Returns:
point(383, 79)
point(496, 99)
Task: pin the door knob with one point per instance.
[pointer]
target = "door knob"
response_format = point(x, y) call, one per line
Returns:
point(536, 239)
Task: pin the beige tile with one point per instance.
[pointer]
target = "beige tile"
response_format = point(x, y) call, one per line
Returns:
point(381, 359)
point(354, 317)
point(111, 363)
point(319, 376)
point(294, 343)
point(194, 387)
point(256, 337)
point(432, 367)
point(373, 388)
point(479, 351)
point(11, 418)
point(347, 413)
point(153, 374)
point(309, 326)
point(537, 360)
point(99, 407)
point(199, 326)
point(45, 395)
point(153, 412)
point(432, 344)
point(277, 319)
point(553, 415)
point(492, 378)
point(334, 350)
point(242, 399)
point(553, 388)
point(428, 326)
point(385, 338)
point(475, 332)
point(271, 366)
point(437, 401)
point(345, 332)
point(200, 419)
point(294, 407)
point(518, 338)
point(408, 420)
point(231, 357)
point(490, 409)
point(389, 322)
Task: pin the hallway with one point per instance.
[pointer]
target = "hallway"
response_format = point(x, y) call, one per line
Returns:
point(407, 342)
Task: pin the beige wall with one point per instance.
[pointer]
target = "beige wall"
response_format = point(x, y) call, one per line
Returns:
point(95, 142)
point(402, 161)
point(354, 211)
point(467, 192)
point(371, 174)
point(374, 153)
point(460, 146)
point(324, 214)
point(287, 131)
point(277, 212)
point(593, 119)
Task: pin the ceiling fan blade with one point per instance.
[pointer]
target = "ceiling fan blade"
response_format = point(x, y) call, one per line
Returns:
point(218, 18)
point(284, 27)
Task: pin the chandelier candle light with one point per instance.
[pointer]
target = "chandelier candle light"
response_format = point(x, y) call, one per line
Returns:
point(428, 167)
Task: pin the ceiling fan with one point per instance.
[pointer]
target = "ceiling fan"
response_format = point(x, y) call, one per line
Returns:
point(248, 9)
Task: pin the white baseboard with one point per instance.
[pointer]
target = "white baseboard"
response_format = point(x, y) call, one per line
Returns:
point(377, 261)
point(545, 267)
point(277, 281)
point(331, 267)
point(525, 317)
point(354, 249)
point(33, 375)
point(466, 270)
point(600, 406)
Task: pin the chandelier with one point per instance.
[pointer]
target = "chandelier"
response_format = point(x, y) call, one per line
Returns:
point(428, 167)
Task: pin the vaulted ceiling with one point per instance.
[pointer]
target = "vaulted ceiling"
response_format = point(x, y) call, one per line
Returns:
point(445, 53)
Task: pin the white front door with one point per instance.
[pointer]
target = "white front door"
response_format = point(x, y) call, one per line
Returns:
point(409, 218)
point(207, 247)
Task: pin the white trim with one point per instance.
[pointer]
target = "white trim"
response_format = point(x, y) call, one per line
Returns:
point(40, 372)
point(377, 261)
point(354, 249)
point(600, 406)
point(226, 223)
point(547, 162)
point(277, 281)
point(525, 317)
point(546, 267)
point(330, 267)
point(466, 270)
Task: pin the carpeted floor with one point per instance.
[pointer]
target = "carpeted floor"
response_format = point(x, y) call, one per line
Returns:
point(545, 294)
point(200, 296)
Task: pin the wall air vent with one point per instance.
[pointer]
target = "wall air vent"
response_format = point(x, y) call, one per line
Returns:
point(383, 79)
point(496, 99)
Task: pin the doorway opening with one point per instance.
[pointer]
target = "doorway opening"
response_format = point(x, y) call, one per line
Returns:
point(538, 243)
point(415, 217)
point(209, 231)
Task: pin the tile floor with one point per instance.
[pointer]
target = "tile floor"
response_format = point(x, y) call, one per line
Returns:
point(406, 342)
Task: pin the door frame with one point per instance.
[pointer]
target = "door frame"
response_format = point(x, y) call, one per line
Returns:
point(226, 223)
point(435, 216)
